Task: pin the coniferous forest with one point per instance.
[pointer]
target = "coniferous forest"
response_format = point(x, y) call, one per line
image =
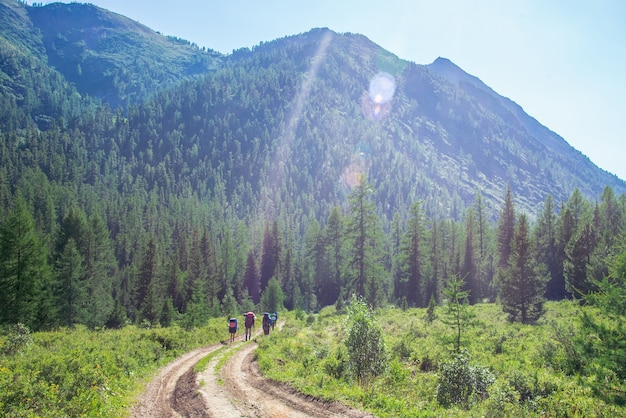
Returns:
point(137, 191)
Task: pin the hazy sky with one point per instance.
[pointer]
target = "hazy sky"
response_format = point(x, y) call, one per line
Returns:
point(564, 62)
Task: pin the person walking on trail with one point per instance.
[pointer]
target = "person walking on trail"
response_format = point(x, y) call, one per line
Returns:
point(249, 323)
point(273, 319)
point(267, 322)
point(232, 328)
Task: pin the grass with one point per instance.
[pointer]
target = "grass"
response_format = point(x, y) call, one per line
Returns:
point(79, 372)
point(536, 366)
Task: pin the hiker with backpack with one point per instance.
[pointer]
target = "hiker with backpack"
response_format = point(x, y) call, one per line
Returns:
point(232, 328)
point(249, 323)
point(266, 323)
point(273, 319)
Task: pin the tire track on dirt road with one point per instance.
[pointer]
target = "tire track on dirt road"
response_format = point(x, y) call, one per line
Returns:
point(237, 390)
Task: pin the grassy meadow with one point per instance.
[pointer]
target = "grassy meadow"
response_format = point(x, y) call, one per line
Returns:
point(79, 372)
point(537, 369)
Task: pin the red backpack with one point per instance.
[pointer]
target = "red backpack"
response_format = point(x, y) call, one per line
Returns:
point(249, 320)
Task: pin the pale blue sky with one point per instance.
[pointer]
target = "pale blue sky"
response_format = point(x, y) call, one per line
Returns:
point(564, 62)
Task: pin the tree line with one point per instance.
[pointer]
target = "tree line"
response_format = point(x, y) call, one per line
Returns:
point(89, 270)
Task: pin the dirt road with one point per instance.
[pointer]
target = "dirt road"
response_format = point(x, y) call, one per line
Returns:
point(237, 390)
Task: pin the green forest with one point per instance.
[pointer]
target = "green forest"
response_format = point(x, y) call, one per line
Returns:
point(254, 182)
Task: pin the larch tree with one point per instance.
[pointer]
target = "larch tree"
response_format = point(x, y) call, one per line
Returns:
point(363, 237)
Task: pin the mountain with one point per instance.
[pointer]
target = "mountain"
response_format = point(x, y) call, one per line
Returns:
point(103, 54)
point(292, 122)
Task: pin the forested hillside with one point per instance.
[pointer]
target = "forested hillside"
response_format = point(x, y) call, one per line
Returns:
point(174, 184)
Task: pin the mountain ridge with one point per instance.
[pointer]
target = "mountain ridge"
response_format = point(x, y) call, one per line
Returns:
point(444, 135)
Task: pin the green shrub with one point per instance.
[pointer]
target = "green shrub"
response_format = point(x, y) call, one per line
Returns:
point(461, 383)
point(366, 349)
point(19, 339)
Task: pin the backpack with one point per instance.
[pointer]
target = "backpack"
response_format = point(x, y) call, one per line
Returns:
point(233, 323)
point(249, 320)
point(266, 320)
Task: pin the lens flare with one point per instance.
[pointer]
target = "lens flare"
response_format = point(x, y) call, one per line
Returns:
point(382, 88)
point(354, 173)
point(376, 103)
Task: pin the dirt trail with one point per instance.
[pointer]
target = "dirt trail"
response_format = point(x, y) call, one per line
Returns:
point(240, 390)
point(158, 398)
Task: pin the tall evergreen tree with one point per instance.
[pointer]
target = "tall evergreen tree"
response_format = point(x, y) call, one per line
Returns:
point(316, 266)
point(24, 271)
point(412, 258)
point(506, 229)
point(271, 254)
point(364, 237)
point(71, 289)
point(611, 219)
point(485, 256)
point(522, 286)
point(251, 285)
point(469, 269)
point(546, 242)
point(578, 262)
point(334, 233)
point(99, 271)
point(146, 273)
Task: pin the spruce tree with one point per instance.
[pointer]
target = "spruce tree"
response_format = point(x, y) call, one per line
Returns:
point(522, 284)
point(506, 229)
point(251, 280)
point(545, 239)
point(578, 262)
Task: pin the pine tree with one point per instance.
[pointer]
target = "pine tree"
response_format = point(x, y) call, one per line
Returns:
point(522, 286)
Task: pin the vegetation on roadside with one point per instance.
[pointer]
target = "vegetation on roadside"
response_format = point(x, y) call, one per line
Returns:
point(81, 372)
point(515, 368)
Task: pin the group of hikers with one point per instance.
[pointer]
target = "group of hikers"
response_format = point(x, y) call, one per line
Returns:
point(269, 321)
